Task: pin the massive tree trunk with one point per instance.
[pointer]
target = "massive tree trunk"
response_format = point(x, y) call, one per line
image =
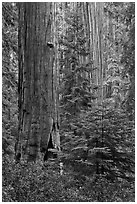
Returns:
point(38, 121)
point(94, 18)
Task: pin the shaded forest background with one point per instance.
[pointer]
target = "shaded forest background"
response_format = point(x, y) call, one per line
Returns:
point(94, 64)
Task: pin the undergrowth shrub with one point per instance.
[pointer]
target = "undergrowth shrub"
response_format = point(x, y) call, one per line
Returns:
point(100, 146)
point(38, 182)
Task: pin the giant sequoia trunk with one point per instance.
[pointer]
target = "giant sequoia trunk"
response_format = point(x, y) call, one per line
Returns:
point(38, 117)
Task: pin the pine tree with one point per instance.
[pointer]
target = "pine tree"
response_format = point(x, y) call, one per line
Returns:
point(76, 93)
point(101, 136)
point(103, 145)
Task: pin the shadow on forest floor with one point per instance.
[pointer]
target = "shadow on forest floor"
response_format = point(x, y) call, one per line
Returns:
point(43, 183)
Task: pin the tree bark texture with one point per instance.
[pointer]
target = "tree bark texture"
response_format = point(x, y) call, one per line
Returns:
point(37, 113)
point(93, 19)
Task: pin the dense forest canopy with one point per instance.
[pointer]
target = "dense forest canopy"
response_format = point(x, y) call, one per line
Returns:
point(68, 101)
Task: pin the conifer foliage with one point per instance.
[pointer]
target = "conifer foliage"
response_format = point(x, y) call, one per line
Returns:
point(9, 76)
point(103, 144)
point(73, 118)
point(100, 138)
point(76, 90)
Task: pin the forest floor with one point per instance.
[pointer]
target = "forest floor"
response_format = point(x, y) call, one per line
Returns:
point(43, 183)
